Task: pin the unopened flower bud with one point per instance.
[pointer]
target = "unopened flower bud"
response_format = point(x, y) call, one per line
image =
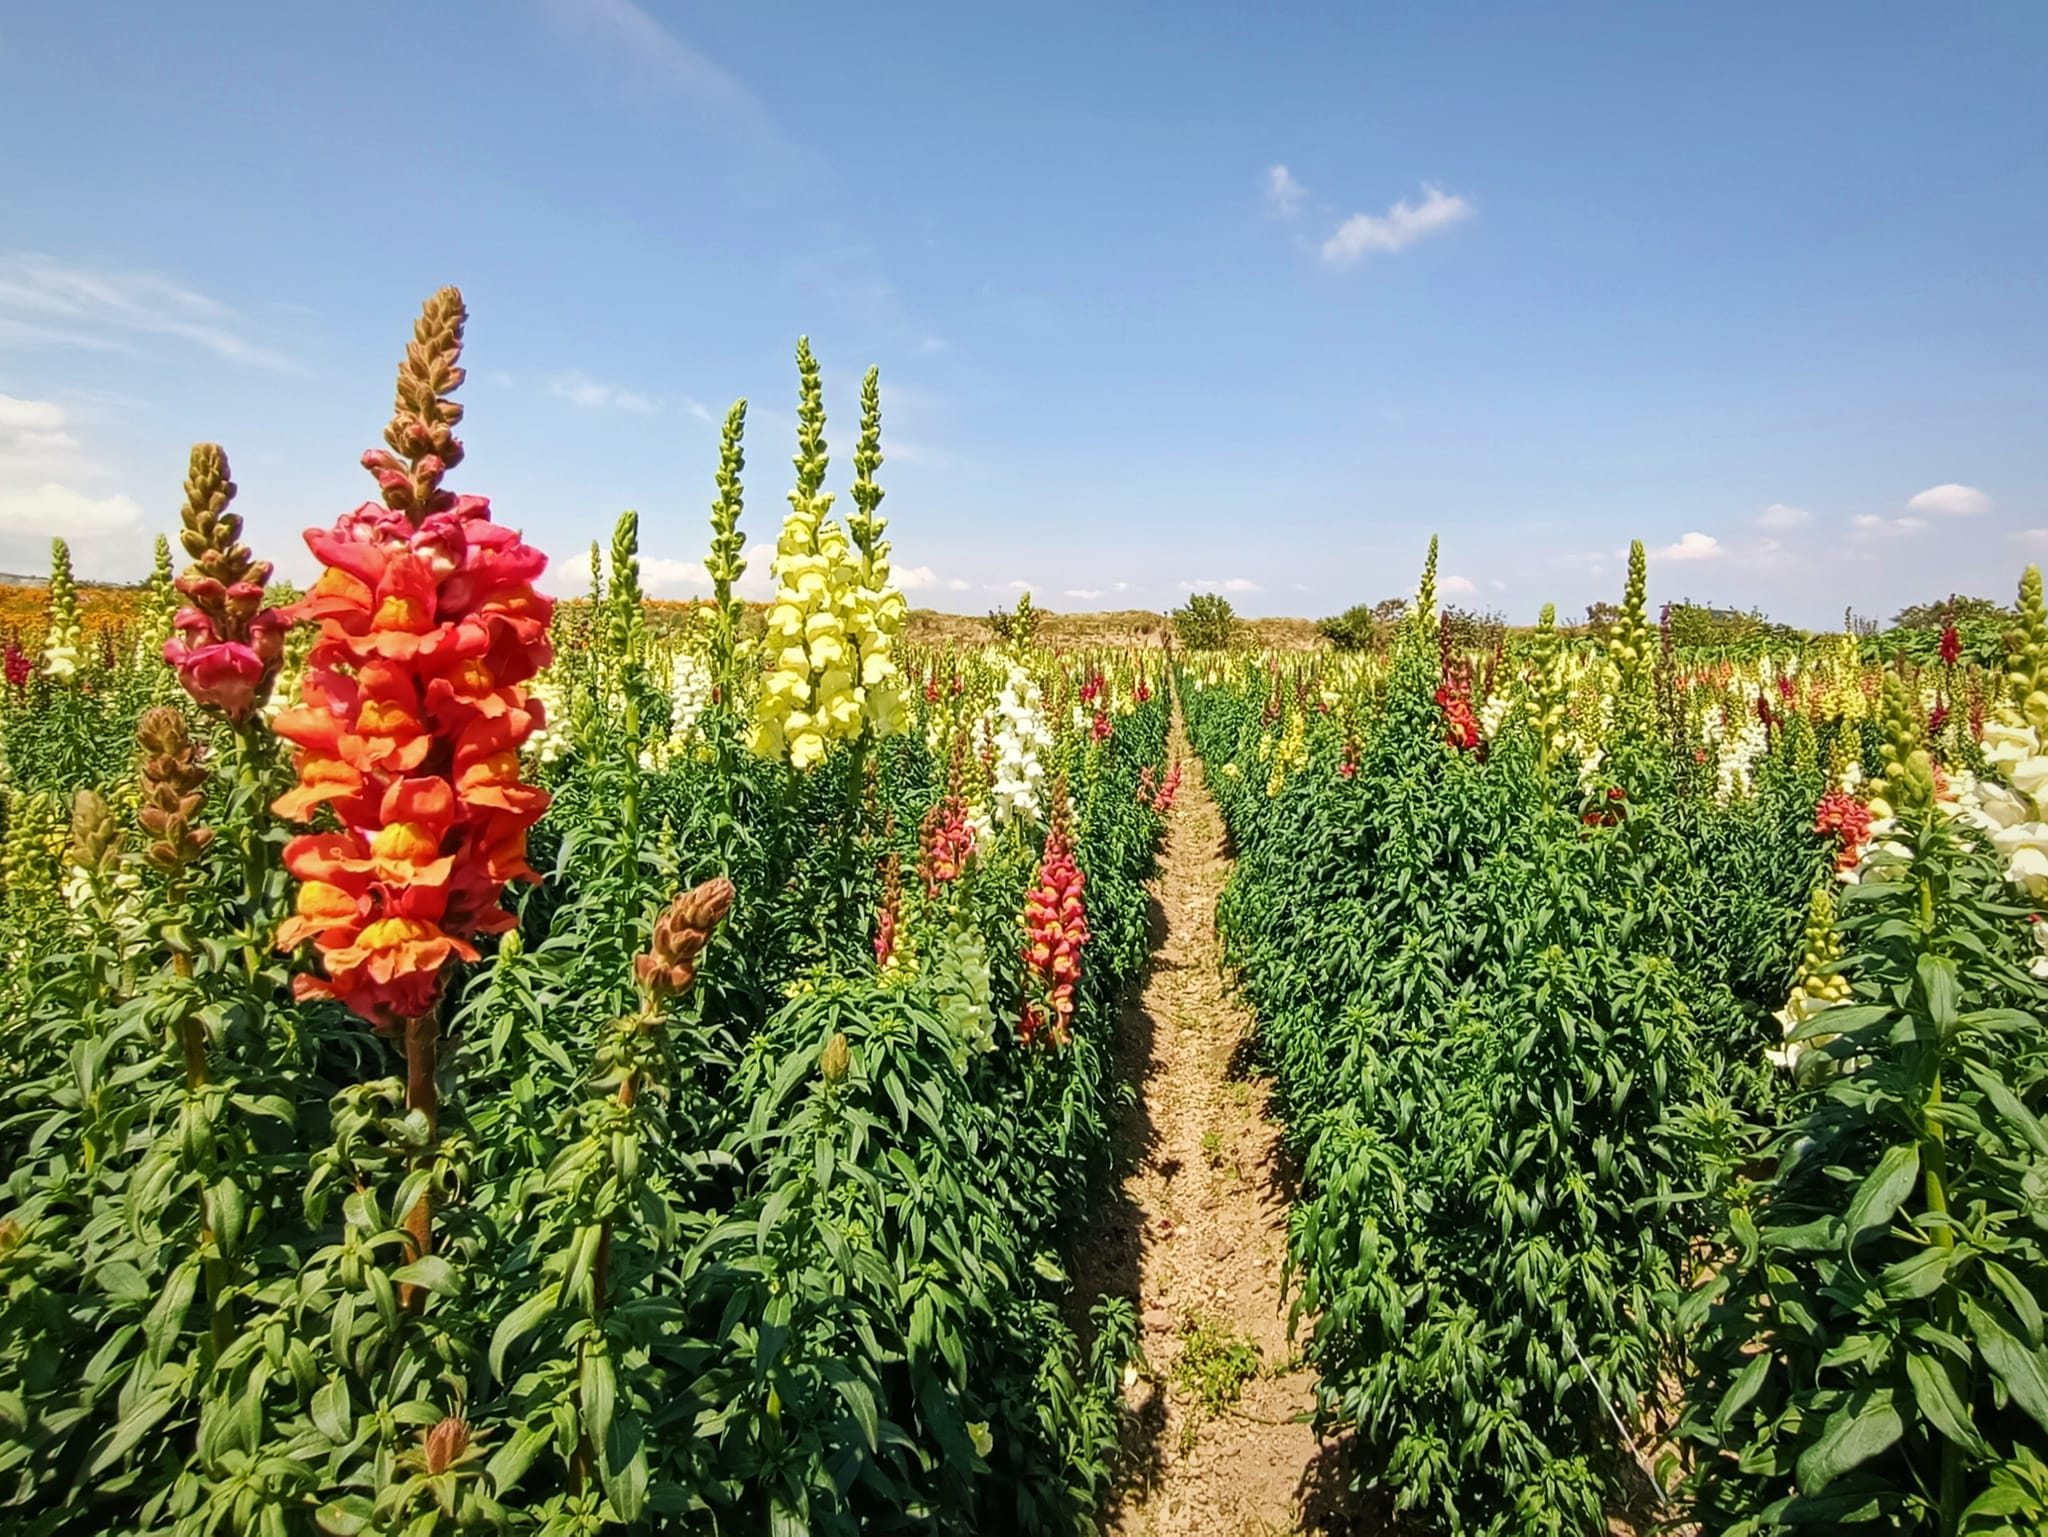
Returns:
point(445, 1444)
point(836, 1059)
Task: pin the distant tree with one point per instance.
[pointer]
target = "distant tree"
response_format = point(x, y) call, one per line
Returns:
point(1205, 623)
point(1360, 626)
point(1601, 615)
point(1701, 624)
point(1951, 610)
point(1472, 629)
point(1352, 630)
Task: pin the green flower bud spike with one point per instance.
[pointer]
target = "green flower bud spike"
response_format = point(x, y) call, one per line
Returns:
point(1425, 596)
point(2027, 678)
point(811, 459)
point(725, 566)
point(1906, 782)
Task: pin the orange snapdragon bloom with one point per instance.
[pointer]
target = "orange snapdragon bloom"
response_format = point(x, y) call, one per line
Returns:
point(415, 707)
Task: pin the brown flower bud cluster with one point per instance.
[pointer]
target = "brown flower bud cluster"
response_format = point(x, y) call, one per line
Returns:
point(442, 1447)
point(680, 935)
point(94, 832)
point(422, 446)
point(173, 787)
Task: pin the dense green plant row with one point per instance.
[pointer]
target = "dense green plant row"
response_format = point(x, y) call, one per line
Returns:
point(737, 1210)
point(1515, 951)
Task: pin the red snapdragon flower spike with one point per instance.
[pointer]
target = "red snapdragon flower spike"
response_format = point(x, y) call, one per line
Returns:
point(414, 713)
point(1951, 645)
point(19, 668)
point(1842, 815)
point(1461, 726)
point(1055, 929)
point(1937, 718)
point(1100, 727)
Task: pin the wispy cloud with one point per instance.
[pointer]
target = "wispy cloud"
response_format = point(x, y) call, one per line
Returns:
point(656, 58)
point(930, 346)
point(1869, 525)
point(1950, 501)
point(579, 388)
point(1284, 195)
point(916, 578)
point(1780, 516)
point(1086, 592)
point(1399, 227)
point(50, 303)
point(1221, 584)
point(1457, 586)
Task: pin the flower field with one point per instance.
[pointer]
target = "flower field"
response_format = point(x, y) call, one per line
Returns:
point(480, 1064)
point(475, 1064)
point(1660, 1036)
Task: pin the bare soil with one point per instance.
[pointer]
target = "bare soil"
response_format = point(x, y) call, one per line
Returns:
point(1195, 1228)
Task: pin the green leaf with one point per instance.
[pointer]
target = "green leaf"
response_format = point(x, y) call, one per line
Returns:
point(1934, 1394)
point(2022, 1120)
point(520, 1322)
point(1861, 1429)
point(1878, 1197)
point(430, 1272)
point(1742, 1390)
point(597, 1391)
point(1938, 986)
point(2019, 1368)
point(1919, 1276)
point(333, 1414)
point(509, 1462)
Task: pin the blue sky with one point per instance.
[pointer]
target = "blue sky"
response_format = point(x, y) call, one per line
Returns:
point(1761, 285)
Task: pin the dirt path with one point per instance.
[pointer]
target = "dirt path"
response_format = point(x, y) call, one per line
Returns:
point(1197, 1229)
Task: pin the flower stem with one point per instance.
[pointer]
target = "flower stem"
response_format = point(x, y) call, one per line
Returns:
point(422, 1048)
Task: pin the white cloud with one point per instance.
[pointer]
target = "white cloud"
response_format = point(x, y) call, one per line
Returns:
point(1457, 586)
point(659, 574)
point(501, 379)
point(2034, 536)
point(1284, 194)
point(1402, 225)
point(42, 464)
point(930, 345)
point(46, 303)
point(1222, 584)
point(916, 578)
point(958, 584)
point(698, 409)
point(1694, 546)
point(34, 440)
point(53, 511)
point(580, 389)
point(1950, 501)
point(1778, 515)
point(1084, 592)
point(1869, 525)
point(1498, 585)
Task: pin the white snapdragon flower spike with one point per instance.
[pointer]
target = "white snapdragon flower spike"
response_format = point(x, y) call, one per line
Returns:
point(551, 742)
point(1021, 740)
point(1491, 715)
point(1735, 765)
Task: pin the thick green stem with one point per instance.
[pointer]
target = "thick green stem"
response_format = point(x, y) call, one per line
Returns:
point(422, 1047)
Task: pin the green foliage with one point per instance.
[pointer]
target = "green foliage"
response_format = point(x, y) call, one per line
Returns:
point(1870, 1355)
point(1206, 622)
